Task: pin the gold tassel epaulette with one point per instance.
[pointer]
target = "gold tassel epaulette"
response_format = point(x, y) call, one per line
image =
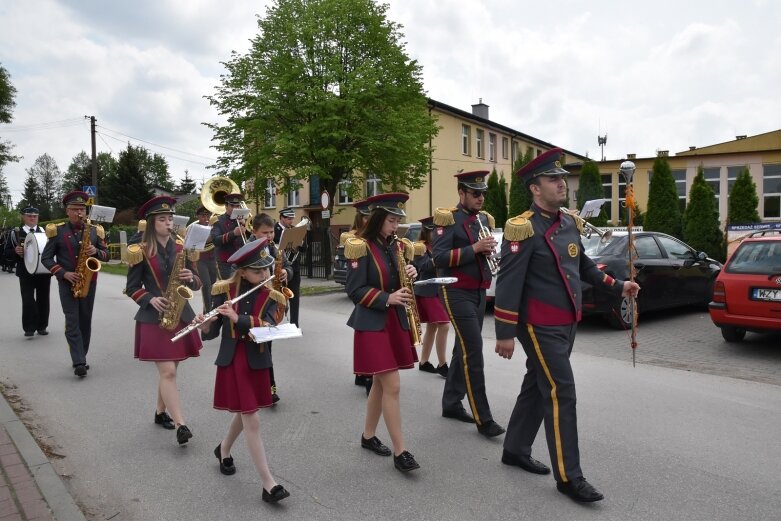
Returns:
point(344, 236)
point(277, 296)
point(221, 286)
point(135, 254)
point(100, 231)
point(420, 248)
point(142, 225)
point(519, 228)
point(489, 218)
point(409, 249)
point(355, 248)
point(444, 217)
point(51, 230)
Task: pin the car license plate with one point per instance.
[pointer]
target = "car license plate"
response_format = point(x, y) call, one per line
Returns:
point(773, 295)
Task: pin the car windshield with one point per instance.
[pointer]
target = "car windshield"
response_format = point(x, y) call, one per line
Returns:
point(756, 257)
point(594, 246)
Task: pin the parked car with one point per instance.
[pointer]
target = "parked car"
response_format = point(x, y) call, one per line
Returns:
point(410, 231)
point(747, 293)
point(670, 273)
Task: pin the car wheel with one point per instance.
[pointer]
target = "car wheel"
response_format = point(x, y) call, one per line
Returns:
point(733, 334)
point(620, 316)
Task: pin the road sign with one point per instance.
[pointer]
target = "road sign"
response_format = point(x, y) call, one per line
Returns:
point(91, 191)
point(90, 201)
point(326, 214)
point(325, 199)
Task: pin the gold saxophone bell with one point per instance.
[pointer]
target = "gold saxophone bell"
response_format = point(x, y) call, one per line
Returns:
point(93, 264)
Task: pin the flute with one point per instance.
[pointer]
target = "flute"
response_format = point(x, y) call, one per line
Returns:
point(182, 332)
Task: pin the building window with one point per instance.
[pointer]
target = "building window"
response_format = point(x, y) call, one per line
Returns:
point(269, 194)
point(771, 189)
point(466, 139)
point(538, 152)
point(293, 197)
point(491, 147)
point(343, 191)
point(680, 187)
point(505, 147)
point(373, 186)
point(479, 142)
point(607, 189)
point(732, 175)
point(516, 151)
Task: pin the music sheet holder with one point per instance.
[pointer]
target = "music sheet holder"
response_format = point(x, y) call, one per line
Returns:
point(292, 238)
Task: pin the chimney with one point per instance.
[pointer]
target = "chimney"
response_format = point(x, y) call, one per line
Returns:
point(631, 156)
point(663, 153)
point(743, 136)
point(692, 148)
point(480, 109)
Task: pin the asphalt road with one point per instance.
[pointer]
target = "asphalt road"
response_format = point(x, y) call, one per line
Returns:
point(663, 440)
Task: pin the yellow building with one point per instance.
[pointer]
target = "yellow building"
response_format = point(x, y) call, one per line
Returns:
point(721, 162)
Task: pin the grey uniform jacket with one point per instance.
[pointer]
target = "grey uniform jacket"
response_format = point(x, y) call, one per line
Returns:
point(457, 230)
point(64, 244)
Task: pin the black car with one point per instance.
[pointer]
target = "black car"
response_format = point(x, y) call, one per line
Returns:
point(410, 231)
point(670, 273)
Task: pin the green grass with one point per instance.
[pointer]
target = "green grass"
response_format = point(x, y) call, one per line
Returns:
point(316, 290)
point(116, 269)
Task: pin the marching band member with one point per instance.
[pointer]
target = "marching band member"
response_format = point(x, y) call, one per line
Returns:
point(227, 235)
point(243, 385)
point(34, 287)
point(286, 216)
point(432, 312)
point(64, 244)
point(207, 266)
point(382, 343)
point(538, 300)
point(459, 252)
point(151, 263)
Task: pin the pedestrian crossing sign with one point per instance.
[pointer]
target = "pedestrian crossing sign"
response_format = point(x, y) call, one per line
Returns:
point(91, 191)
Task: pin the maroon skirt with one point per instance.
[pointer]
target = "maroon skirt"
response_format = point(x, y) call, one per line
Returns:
point(431, 310)
point(153, 343)
point(239, 388)
point(376, 352)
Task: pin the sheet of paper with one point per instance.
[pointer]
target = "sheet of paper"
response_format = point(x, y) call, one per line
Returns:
point(292, 238)
point(102, 214)
point(239, 213)
point(180, 223)
point(196, 237)
point(436, 280)
point(592, 208)
point(280, 332)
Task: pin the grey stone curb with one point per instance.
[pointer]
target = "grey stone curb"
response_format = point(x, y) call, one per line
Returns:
point(52, 488)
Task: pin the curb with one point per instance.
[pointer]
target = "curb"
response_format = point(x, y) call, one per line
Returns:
point(50, 484)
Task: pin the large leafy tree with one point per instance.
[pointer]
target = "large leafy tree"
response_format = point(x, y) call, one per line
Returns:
point(590, 188)
point(664, 212)
point(326, 92)
point(701, 227)
point(49, 180)
point(7, 104)
point(79, 172)
point(127, 189)
point(520, 195)
point(743, 200)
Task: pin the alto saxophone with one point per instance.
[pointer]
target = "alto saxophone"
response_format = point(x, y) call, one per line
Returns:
point(279, 286)
point(412, 308)
point(86, 266)
point(176, 293)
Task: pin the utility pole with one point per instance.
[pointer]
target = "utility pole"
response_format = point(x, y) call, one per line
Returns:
point(92, 122)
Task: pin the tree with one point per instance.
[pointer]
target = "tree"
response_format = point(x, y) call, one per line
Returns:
point(127, 189)
point(743, 200)
point(155, 168)
point(79, 173)
point(520, 195)
point(492, 202)
point(186, 185)
point(590, 188)
point(664, 212)
point(7, 103)
point(701, 227)
point(501, 214)
point(49, 180)
point(326, 91)
point(32, 193)
point(5, 192)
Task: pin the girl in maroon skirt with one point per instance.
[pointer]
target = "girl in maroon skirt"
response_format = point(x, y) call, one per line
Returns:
point(243, 384)
point(382, 343)
point(151, 264)
point(432, 312)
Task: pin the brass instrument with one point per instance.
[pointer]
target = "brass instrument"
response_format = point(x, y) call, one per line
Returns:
point(213, 196)
point(86, 266)
point(412, 308)
point(485, 233)
point(176, 293)
point(588, 228)
point(279, 286)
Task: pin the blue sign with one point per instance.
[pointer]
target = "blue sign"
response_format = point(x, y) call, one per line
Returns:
point(91, 191)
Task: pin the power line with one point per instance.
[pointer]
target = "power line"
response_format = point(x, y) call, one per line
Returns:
point(157, 145)
point(165, 155)
point(34, 127)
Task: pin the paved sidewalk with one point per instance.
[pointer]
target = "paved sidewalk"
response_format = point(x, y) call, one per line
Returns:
point(30, 489)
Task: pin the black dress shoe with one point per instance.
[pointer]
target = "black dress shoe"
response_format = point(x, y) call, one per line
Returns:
point(278, 493)
point(274, 398)
point(29, 333)
point(405, 462)
point(426, 367)
point(580, 490)
point(458, 414)
point(226, 464)
point(490, 429)
point(375, 445)
point(442, 370)
point(165, 421)
point(369, 383)
point(80, 371)
point(43, 332)
point(360, 380)
point(183, 434)
point(527, 463)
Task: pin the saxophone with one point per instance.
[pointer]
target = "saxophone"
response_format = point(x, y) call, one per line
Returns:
point(176, 293)
point(282, 288)
point(86, 266)
point(412, 308)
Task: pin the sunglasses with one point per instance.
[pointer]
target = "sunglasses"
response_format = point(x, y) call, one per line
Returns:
point(477, 194)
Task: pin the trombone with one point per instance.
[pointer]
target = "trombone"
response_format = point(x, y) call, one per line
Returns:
point(588, 228)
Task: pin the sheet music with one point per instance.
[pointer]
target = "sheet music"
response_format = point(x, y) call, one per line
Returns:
point(180, 222)
point(103, 214)
point(239, 213)
point(197, 235)
point(436, 280)
point(592, 208)
point(280, 332)
point(292, 238)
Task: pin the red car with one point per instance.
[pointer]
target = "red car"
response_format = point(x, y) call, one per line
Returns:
point(747, 292)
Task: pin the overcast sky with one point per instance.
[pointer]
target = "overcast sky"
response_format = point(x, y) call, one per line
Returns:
point(659, 75)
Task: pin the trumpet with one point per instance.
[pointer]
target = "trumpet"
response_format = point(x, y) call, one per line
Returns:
point(588, 228)
point(489, 257)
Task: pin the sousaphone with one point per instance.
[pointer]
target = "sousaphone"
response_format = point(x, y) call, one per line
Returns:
point(214, 191)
